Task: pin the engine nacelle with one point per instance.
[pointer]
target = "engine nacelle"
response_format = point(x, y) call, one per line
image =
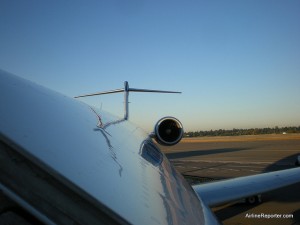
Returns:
point(168, 131)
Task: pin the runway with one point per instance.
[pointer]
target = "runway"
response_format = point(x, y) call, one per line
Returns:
point(220, 158)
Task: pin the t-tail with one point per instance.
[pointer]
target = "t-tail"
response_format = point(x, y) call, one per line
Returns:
point(167, 131)
point(126, 91)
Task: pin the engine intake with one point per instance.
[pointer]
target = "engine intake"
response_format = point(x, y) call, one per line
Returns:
point(168, 131)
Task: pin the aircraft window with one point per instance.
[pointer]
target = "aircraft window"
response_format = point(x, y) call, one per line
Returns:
point(150, 152)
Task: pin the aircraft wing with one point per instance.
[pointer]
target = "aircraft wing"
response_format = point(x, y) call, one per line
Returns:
point(67, 163)
point(220, 192)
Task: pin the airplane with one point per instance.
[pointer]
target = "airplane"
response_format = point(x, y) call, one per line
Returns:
point(65, 162)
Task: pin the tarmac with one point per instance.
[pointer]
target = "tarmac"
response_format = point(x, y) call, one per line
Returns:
point(206, 159)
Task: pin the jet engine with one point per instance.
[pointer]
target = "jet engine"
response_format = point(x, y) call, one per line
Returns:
point(168, 131)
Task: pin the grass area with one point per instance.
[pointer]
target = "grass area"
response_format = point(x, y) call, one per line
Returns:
point(262, 137)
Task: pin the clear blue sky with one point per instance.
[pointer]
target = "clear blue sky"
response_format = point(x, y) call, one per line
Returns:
point(236, 62)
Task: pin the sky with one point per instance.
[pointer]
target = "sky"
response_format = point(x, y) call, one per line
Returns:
point(237, 63)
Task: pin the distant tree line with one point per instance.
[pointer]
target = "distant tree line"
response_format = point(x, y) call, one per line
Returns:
point(237, 132)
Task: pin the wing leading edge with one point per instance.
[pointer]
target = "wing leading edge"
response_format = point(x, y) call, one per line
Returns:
point(221, 192)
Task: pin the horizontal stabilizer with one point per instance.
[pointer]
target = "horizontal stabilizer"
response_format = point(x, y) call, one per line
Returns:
point(127, 89)
point(100, 93)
